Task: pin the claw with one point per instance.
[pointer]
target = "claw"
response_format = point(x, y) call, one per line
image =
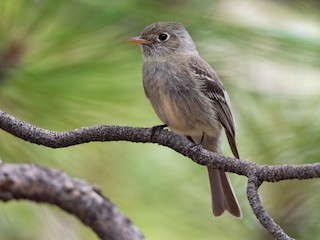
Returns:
point(197, 146)
point(156, 129)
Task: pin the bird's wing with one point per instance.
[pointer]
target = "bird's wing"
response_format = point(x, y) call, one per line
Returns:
point(209, 83)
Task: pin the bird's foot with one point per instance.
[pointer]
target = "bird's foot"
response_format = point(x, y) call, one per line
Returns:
point(197, 146)
point(156, 129)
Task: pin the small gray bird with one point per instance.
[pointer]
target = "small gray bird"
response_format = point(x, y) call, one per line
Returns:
point(189, 98)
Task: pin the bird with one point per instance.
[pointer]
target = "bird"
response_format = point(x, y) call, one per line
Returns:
point(188, 97)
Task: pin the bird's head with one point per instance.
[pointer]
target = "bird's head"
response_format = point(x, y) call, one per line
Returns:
point(164, 38)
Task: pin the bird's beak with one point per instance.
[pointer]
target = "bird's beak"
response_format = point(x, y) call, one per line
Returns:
point(138, 40)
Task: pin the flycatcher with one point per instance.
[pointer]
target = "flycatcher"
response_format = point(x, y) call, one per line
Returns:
point(188, 97)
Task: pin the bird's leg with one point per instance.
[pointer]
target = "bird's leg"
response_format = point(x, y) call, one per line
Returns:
point(198, 146)
point(156, 129)
point(190, 139)
point(200, 143)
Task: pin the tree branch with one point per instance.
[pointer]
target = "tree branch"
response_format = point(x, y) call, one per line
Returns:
point(273, 228)
point(104, 133)
point(255, 172)
point(38, 184)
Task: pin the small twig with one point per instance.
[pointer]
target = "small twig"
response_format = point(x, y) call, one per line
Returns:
point(253, 197)
point(39, 184)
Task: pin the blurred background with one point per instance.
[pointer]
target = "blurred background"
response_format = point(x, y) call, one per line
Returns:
point(66, 64)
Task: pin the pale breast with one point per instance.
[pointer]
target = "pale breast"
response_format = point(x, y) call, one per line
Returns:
point(177, 101)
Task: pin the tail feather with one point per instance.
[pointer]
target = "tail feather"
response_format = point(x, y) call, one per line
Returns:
point(222, 194)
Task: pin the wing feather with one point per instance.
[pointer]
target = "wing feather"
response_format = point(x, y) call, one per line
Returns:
point(209, 84)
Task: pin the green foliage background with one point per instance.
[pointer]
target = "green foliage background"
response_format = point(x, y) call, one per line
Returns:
point(66, 64)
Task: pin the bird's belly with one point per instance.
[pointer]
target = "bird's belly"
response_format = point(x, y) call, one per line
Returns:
point(188, 118)
point(177, 120)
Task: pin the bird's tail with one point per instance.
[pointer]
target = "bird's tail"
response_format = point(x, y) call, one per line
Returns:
point(222, 194)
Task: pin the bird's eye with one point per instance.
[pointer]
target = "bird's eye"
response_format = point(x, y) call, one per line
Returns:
point(163, 37)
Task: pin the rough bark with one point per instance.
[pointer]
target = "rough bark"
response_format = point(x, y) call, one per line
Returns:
point(256, 174)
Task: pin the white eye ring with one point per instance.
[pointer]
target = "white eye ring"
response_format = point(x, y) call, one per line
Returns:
point(163, 37)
